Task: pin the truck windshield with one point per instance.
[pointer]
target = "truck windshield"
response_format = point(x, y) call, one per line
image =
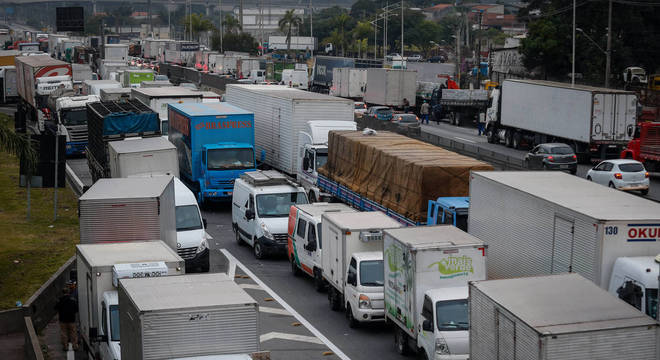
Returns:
point(652, 303)
point(452, 315)
point(321, 159)
point(74, 117)
point(114, 322)
point(371, 273)
point(462, 219)
point(278, 205)
point(187, 218)
point(230, 159)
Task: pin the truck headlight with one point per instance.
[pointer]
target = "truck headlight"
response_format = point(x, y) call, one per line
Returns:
point(267, 233)
point(441, 347)
point(364, 302)
point(202, 246)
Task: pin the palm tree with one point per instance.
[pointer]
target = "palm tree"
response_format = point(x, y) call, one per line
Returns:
point(19, 145)
point(286, 23)
point(231, 24)
point(340, 22)
point(198, 23)
point(121, 13)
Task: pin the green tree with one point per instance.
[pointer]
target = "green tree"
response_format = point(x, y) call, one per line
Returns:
point(424, 35)
point(121, 14)
point(364, 9)
point(93, 25)
point(198, 23)
point(287, 23)
point(243, 42)
point(547, 47)
point(360, 35)
point(21, 146)
point(342, 22)
point(231, 24)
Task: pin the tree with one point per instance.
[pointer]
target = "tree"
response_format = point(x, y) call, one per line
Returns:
point(342, 21)
point(198, 23)
point(547, 47)
point(231, 24)
point(120, 14)
point(21, 146)
point(243, 42)
point(360, 34)
point(286, 23)
point(364, 9)
point(93, 25)
point(424, 35)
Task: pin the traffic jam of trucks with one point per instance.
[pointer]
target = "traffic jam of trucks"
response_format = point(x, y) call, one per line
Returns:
point(453, 257)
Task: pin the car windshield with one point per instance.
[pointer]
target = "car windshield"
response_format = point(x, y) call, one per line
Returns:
point(371, 273)
point(230, 159)
point(74, 117)
point(187, 218)
point(278, 205)
point(561, 150)
point(452, 315)
point(114, 322)
point(321, 159)
point(631, 167)
point(652, 303)
point(384, 111)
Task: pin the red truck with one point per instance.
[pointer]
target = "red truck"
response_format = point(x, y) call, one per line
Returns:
point(645, 146)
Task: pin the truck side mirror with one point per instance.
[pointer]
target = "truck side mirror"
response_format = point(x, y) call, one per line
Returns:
point(427, 325)
point(305, 163)
point(249, 214)
point(93, 333)
point(204, 223)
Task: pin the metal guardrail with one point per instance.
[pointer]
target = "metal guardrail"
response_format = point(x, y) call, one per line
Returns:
point(76, 184)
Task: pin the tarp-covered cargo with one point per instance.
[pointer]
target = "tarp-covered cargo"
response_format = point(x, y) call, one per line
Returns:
point(398, 172)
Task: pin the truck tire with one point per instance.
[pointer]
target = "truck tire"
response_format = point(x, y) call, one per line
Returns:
point(508, 138)
point(516, 138)
point(295, 271)
point(400, 341)
point(490, 136)
point(333, 299)
point(319, 284)
point(352, 323)
point(258, 250)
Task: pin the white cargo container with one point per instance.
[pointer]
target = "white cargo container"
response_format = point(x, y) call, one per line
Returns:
point(115, 94)
point(352, 261)
point(295, 78)
point(128, 209)
point(9, 86)
point(280, 113)
point(389, 87)
point(560, 317)
point(348, 82)
point(552, 222)
point(186, 316)
point(428, 269)
point(223, 64)
point(98, 268)
point(143, 157)
point(157, 99)
point(582, 116)
point(94, 87)
point(305, 43)
point(115, 52)
point(245, 66)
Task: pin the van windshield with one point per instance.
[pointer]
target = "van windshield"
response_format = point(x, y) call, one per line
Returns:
point(371, 273)
point(321, 159)
point(278, 205)
point(114, 322)
point(187, 218)
point(452, 315)
point(230, 159)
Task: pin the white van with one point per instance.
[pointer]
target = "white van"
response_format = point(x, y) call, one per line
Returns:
point(260, 210)
point(191, 237)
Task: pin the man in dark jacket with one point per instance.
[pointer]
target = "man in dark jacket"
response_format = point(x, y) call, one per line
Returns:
point(67, 307)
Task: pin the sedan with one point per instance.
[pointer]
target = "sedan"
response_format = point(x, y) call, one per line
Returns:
point(383, 113)
point(622, 174)
point(360, 108)
point(552, 156)
point(407, 124)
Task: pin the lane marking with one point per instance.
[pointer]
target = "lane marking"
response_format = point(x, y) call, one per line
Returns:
point(460, 138)
point(271, 310)
point(250, 286)
point(293, 337)
point(340, 354)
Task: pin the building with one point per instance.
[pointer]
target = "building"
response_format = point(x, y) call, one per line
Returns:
point(438, 12)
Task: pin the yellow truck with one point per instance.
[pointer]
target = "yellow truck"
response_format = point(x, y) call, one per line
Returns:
point(7, 57)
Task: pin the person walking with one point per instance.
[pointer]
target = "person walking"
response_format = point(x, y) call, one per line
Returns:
point(66, 308)
point(481, 126)
point(406, 105)
point(424, 111)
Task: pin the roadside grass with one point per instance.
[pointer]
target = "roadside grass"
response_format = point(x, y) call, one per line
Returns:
point(31, 251)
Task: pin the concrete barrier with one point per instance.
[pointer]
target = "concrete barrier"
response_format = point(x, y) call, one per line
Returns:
point(11, 321)
point(32, 346)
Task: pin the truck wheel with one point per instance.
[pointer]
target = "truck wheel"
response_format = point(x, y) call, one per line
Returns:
point(516, 140)
point(294, 268)
point(258, 250)
point(508, 138)
point(239, 241)
point(400, 341)
point(333, 299)
point(319, 285)
point(352, 323)
point(490, 136)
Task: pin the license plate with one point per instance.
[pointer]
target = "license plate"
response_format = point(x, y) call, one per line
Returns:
point(563, 166)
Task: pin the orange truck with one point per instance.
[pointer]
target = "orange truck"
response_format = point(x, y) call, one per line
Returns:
point(645, 146)
point(7, 57)
point(304, 244)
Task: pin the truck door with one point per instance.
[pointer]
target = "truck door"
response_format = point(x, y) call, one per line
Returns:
point(506, 337)
point(626, 118)
point(299, 237)
point(609, 116)
point(562, 247)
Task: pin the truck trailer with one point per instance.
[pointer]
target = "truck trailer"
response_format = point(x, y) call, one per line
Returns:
point(157, 99)
point(8, 84)
point(389, 87)
point(348, 82)
point(143, 157)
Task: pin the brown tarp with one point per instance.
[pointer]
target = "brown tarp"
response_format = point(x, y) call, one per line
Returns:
point(398, 172)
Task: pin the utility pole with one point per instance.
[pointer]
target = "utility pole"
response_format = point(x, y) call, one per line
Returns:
point(375, 37)
point(402, 33)
point(608, 59)
point(458, 54)
point(222, 33)
point(386, 15)
point(477, 82)
point(151, 23)
point(311, 26)
point(573, 60)
point(240, 14)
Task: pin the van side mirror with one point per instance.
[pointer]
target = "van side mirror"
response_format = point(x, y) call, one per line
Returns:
point(249, 214)
point(427, 325)
point(305, 163)
point(352, 279)
point(204, 223)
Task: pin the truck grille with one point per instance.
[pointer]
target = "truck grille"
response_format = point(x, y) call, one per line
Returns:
point(77, 133)
point(377, 304)
point(222, 184)
point(187, 253)
point(281, 238)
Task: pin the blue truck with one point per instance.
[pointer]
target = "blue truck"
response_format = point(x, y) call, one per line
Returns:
point(449, 210)
point(215, 145)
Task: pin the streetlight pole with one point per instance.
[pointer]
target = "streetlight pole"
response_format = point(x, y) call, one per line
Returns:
point(222, 33)
point(402, 33)
point(608, 60)
point(573, 61)
point(311, 26)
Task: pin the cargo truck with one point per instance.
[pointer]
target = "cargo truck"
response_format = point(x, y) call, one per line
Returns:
point(322, 72)
point(71, 116)
point(37, 77)
point(552, 222)
point(245, 66)
point(645, 146)
point(115, 94)
point(389, 87)
point(7, 57)
point(215, 145)
point(142, 157)
point(426, 289)
point(348, 82)
point(8, 84)
point(99, 267)
point(188, 316)
point(461, 106)
point(128, 209)
point(594, 121)
point(556, 317)
point(158, 98)
point(94, 87)
point(115, 52)
point(280, 113)
point(109, 121)
point(134, 78)
point(352, 261)
point(451, 210)
point(313, 154)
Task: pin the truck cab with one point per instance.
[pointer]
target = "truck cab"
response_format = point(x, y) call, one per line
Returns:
point(72, 116)
point(313, 153)
point(363, 290)
point(645, 145)
point(635, 281)
point(109, 330)
point(445, 323)
point(449, 210)
point(221, 164)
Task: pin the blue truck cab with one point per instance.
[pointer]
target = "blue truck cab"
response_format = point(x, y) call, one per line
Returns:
point(449, 210)
point(215, 145)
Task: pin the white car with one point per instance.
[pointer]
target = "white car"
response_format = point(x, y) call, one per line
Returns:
point(622, 174)
point(360, 108)
point(415, 57)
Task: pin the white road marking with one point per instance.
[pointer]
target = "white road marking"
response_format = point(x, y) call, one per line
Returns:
point(340, 354)
point(460, 138)
point(250, 286)
point(271, 310)
point(294, 337)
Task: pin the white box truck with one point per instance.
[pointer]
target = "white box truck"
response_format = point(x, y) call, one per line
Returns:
point(115, 52)
point(157, 99)
point(94, 87)
point(426, 289)
point(560, 317)
point(186, 316)
point(143, 157)
point(280, 113)
point(592, 120)
point(389, 87)
point(128, 209)
point(98, 268)
point(552, 222)
point(352, 261)
point(298, 79)
point(348, 82)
